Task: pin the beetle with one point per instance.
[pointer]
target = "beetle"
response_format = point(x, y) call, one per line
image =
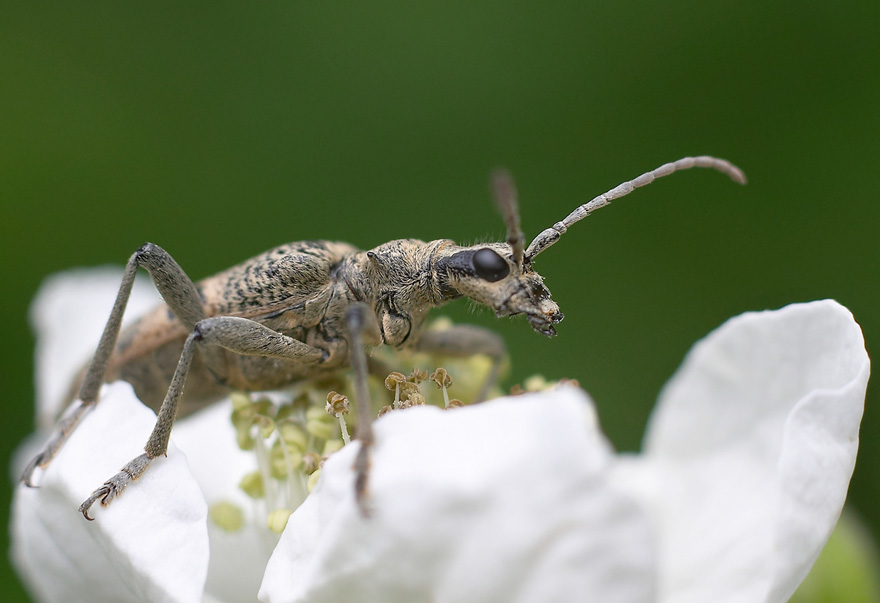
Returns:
point(308, 309)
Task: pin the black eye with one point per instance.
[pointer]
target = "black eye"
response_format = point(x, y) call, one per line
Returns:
point(490, 266)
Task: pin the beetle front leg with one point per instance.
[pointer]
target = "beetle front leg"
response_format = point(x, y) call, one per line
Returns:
point(360, 320)
point(238, 335)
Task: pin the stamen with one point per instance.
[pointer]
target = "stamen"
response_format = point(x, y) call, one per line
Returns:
point(392, 382)
point(407, 388)
point(284, 458)
point(443, 380)
point(414, 398)
point(293, 434)
point(337, 406)
point(417, 375)
point(292, 438)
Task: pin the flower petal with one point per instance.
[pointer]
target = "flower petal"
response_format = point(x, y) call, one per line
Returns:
point(750, 451)
point(503, 501)
point(151, 544)
point(238, 559)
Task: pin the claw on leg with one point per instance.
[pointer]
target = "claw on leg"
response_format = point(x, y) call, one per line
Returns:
point(28, 473)
point(102, 492)
point(65, 427)
point(114, 486)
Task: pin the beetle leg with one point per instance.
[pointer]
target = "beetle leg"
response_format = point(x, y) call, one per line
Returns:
point(239, 335)
point(360, 320)
point(467, 340)
point(183, 300)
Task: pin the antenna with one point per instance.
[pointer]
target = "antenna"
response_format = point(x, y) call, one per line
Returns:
point(504, 191)
point(552, 234)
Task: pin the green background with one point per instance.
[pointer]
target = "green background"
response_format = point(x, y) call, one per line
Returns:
point(219, 130)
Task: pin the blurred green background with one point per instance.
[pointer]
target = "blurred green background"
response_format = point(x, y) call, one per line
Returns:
point(221, 129)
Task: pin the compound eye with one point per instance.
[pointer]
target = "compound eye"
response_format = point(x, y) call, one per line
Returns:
point(490, 266)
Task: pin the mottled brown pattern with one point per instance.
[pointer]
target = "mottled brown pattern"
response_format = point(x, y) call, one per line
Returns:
point(303, 290)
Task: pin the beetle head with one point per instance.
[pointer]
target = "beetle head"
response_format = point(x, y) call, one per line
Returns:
point(490, 275)
point(500, 275)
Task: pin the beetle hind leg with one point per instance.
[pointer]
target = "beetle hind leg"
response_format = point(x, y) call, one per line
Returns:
point(238, 335)
point(182, 298)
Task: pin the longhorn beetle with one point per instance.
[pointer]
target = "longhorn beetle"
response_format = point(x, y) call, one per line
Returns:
point(307, 309)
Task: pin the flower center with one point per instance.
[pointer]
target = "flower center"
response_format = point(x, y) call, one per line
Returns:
point(293, 432)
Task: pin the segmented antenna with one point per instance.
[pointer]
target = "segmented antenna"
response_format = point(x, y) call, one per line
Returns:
point(552, 234)
point(504, 192)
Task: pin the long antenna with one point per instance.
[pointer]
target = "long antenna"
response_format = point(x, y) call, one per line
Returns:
point(504, 192)
point(552, 234)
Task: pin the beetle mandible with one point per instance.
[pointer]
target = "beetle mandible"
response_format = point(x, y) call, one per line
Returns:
point(308, 309)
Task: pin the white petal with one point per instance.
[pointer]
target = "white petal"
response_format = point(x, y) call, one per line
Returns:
point(503, 501)
point(150, 544)
point(750, 451)
point(68, 316)
point(238, 559)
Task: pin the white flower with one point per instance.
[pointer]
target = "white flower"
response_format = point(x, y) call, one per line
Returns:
point(744, 472)
point(155, 543)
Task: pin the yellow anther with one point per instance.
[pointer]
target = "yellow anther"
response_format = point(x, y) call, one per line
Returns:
point(265, 425)
point(240, 400)
point(293, 435)
point(263, 406)
point(227, 516)
point(252, 485)
point(244, 438)
point(283, 459)
point(277, 520)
